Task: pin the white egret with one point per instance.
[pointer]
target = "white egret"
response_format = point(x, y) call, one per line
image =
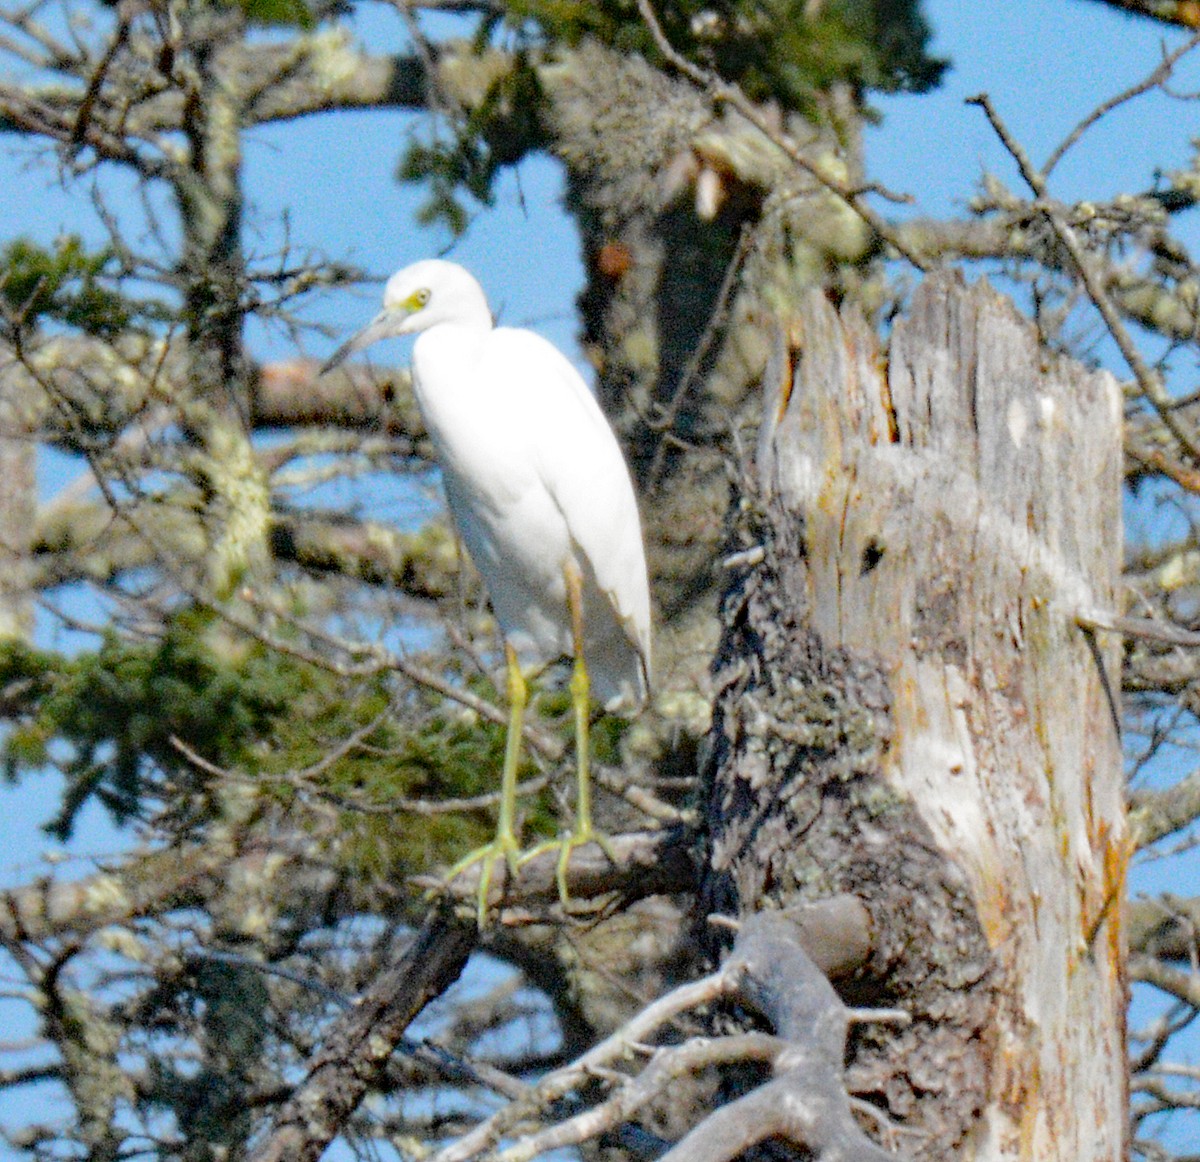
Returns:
point(543, 502)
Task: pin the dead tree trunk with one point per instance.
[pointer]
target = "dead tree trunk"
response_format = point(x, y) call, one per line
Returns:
point(908, 711)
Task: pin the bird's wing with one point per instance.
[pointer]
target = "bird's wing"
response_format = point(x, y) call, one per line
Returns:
point(581, 464)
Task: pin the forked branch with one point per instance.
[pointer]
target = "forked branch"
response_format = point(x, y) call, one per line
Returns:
point(805, 1102)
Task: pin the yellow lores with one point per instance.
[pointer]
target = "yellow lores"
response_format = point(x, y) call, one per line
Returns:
point(544, 504)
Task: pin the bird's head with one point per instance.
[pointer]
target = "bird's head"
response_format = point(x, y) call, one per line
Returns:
point(417, 298)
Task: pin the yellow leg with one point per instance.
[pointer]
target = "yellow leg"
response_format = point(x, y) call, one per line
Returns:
point(504, 846)
point(580, 686)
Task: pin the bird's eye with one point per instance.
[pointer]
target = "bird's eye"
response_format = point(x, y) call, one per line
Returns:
point(422, 296)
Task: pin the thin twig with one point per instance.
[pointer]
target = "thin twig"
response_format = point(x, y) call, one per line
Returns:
point(1155, 80)
point(878, 1016)
point(639, 797)
point(395, 805)
point(634, 1093)
point(1149, 384)
point(83, 113)
point(613, 1048)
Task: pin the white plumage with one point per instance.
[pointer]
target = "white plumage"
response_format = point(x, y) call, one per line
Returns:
point(534, 477)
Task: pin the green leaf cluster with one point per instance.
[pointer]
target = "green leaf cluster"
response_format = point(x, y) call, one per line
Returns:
point(426, 751)
point(498, 132)
point(313, 744)
point(110, 718)
point(62, 284)
point(421, 751)
point(782, 50)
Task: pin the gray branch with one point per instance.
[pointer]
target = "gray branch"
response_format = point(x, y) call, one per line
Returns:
point(1155, 814)
point(806, 1102)
point(772, 968)
point(359, 1046)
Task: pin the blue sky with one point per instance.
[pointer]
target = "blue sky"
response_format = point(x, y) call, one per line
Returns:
point(1044, 62)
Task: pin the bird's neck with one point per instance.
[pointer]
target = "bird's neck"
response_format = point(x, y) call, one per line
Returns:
point(449, 348)
point(453, 390)
point(446, 376)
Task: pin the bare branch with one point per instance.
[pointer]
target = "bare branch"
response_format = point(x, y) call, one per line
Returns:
point(1165, 927)
point(808, 1104)
point(647, 863)
point(1182, 12)
point(1145, 628)
point(1156, 79)
point(612, 1049)
point(1148, 381)
point(1176, 982)
point(146, 883)
point(665, 1066)
point(1156, 814)
point(358, 1047)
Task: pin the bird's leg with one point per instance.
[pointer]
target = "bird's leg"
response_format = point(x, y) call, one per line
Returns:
point(580, 687)
point(504, 846)
point(518, 697)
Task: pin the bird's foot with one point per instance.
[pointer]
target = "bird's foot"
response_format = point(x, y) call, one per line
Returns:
point(503, 847)
point(580, 837)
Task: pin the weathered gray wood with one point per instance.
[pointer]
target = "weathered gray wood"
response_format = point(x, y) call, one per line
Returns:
point(805, 1102)
point(18, 508)
point(908, 711)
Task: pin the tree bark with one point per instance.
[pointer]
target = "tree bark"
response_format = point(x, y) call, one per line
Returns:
point(18, 508)
point(909, 712)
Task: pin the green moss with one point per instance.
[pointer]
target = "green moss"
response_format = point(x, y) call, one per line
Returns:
point(278, 13)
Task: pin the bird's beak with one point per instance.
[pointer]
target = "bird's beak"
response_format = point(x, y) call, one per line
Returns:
point(380, 327)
